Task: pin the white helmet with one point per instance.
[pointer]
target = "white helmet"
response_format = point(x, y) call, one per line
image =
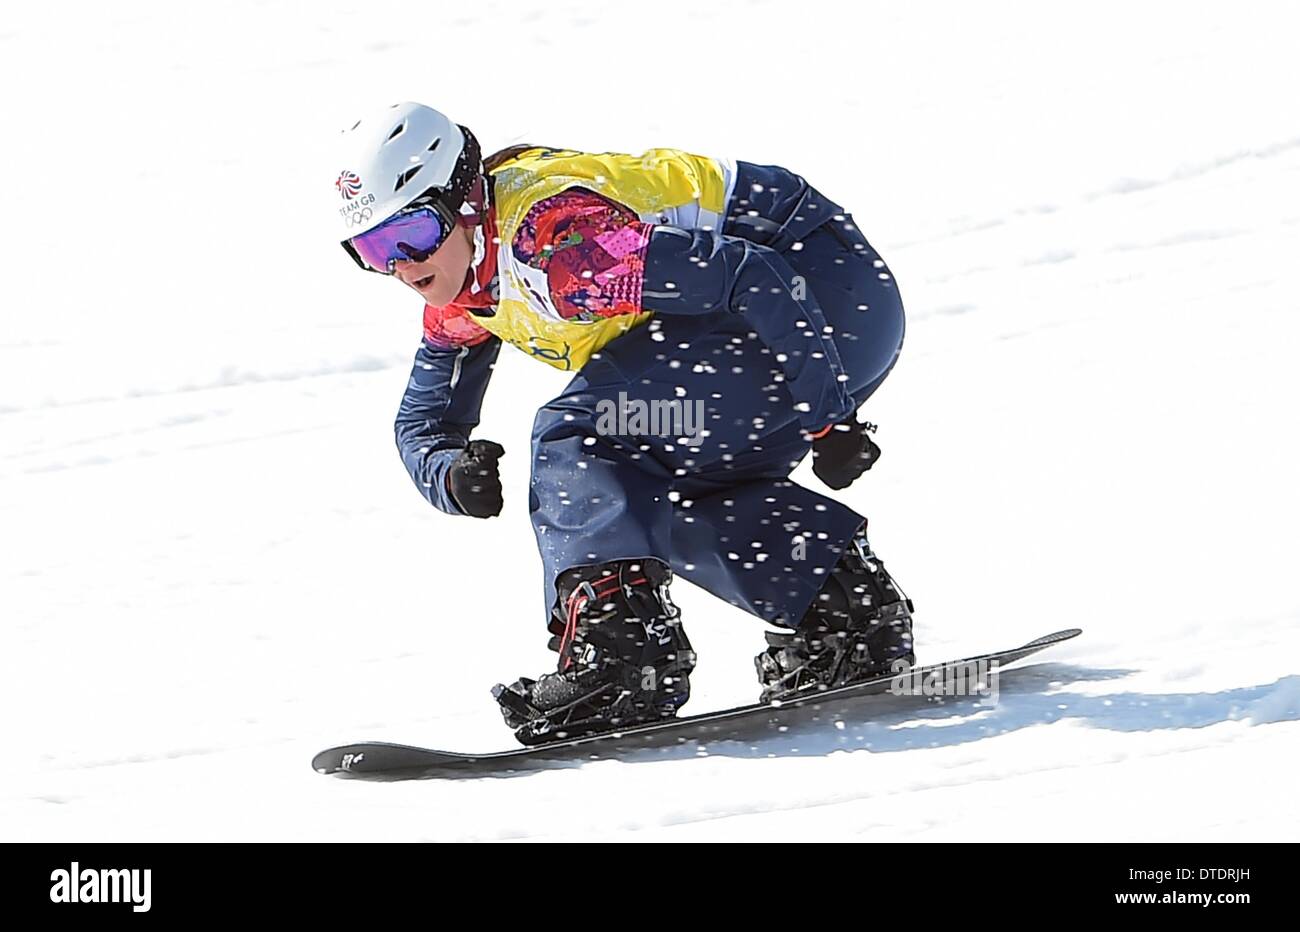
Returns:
point(394, 157)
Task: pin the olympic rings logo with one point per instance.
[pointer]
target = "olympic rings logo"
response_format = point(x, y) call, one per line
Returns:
point(547, 353)
point(360, 216)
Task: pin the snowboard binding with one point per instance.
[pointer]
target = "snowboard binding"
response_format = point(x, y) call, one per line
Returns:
point(624, 658)
point(857, 627)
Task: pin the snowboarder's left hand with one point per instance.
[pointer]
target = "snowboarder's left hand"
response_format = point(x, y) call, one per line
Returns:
point(843, 452)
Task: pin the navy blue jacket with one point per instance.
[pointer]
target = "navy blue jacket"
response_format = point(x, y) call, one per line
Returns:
point(744, 274)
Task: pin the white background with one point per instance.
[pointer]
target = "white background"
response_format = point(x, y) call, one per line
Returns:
point(212, 563)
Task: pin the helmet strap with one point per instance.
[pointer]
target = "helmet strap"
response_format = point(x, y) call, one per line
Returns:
point(474, 210)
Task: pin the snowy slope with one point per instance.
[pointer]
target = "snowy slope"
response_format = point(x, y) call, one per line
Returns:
point(212, 563)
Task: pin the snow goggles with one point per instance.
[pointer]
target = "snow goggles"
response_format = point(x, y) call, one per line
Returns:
point(413, 234)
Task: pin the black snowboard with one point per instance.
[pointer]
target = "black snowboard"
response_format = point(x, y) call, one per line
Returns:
point(380, 759)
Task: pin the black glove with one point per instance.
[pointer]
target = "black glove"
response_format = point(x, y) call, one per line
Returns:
point(473, 480)
point(845, 452)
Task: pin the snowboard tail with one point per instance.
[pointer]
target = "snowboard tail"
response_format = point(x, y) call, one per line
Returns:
point(380, 759)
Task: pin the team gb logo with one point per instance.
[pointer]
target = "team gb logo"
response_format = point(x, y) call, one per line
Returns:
point(349, 185)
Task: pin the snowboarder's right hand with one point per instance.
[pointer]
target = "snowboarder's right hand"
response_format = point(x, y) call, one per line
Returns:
point(473, 480)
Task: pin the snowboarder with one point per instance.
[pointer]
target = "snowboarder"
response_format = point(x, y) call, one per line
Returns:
point(665, 282)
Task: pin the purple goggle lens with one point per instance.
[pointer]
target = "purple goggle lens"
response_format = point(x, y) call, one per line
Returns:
point(412, 235)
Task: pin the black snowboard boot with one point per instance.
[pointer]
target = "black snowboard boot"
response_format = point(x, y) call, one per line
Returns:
point(624, 658)
point(859, 624)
